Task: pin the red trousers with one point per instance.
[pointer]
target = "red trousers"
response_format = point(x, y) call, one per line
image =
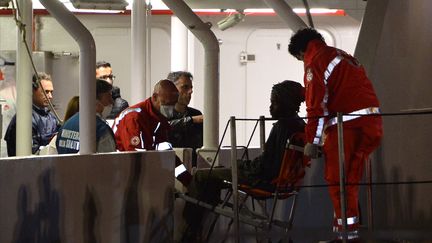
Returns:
point(361, 137)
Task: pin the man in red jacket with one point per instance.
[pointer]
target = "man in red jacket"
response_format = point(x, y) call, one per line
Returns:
point(336, 82)
point(145, 125)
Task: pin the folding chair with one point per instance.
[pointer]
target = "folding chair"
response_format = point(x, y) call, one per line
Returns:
point(284, 186)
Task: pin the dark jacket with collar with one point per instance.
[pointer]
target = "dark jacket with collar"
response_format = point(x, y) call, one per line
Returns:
point(119, 103)
point(44, 127)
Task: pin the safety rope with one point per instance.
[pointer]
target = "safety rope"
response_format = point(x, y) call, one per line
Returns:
point(21, 26)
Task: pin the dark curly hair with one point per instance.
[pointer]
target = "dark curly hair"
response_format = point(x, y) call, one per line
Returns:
point(290, 95)
point(300, 40)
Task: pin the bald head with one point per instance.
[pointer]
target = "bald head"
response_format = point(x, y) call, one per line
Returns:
point(165, 93)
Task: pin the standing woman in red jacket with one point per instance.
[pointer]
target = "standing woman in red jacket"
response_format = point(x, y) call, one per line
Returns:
point(336, 82)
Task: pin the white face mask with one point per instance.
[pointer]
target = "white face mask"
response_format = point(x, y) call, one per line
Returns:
point(167, 111)
point(107, 111)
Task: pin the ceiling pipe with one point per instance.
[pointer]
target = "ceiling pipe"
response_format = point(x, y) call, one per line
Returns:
point(308, 13)
point(87, 60)
point(285, 12)
point(203, 33)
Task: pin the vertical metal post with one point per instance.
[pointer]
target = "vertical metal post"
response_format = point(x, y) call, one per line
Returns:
point(87, 68)
point(148, 84)
point(139, 53)
point(202, 31)
point(342, 174)
point(234, 176)
point(262, 132)
point(369, 193)
point(1, 119)
point(23, 86)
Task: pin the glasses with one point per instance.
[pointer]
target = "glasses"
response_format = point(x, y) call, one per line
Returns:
point(105, 77)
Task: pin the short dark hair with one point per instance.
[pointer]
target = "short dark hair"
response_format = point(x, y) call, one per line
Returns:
point(102, 86)
point(175, 76)
point(42, 76)
point(290, 94)
point(300, 40)
point(104, 64)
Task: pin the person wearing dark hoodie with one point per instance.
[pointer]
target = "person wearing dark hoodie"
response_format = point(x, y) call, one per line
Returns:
point(285, 100)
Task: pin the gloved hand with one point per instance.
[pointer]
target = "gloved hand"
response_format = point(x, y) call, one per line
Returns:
point(312, 151)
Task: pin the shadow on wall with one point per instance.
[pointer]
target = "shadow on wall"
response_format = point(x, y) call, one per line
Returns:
point(91, 224)
point(42, 223)
point(401, 209)
point(131, 221)
point(157, 228)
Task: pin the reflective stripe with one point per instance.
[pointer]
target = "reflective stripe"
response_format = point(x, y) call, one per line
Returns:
point(351, 235)
point(350, 221)
point(163, 146)
point(327, 73)
point(142, 140)
point(157, 127)
point(179, 169)
point(122, 115)
point(154, 133)
point(354, 115)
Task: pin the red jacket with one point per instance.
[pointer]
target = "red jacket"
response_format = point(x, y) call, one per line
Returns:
point(140, 127)
point(334, 82)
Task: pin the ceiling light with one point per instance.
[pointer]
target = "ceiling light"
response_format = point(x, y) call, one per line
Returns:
point(100, 4)
point(231, 20)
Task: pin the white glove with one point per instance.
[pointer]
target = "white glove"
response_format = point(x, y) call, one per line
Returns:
point(312, 151)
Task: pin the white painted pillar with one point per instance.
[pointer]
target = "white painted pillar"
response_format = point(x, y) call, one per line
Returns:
point(210, 43)
point(149, 86)
point(139, 51)
point(23, 84)
point(179, 45)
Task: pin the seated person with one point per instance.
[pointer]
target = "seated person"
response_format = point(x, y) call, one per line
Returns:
point(286, 98)
point(68, 135)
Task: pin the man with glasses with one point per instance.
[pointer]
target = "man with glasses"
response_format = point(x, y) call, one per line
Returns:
point(104, 72)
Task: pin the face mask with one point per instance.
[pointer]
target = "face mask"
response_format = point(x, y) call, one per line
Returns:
point(167, 111)
point(106, 111)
